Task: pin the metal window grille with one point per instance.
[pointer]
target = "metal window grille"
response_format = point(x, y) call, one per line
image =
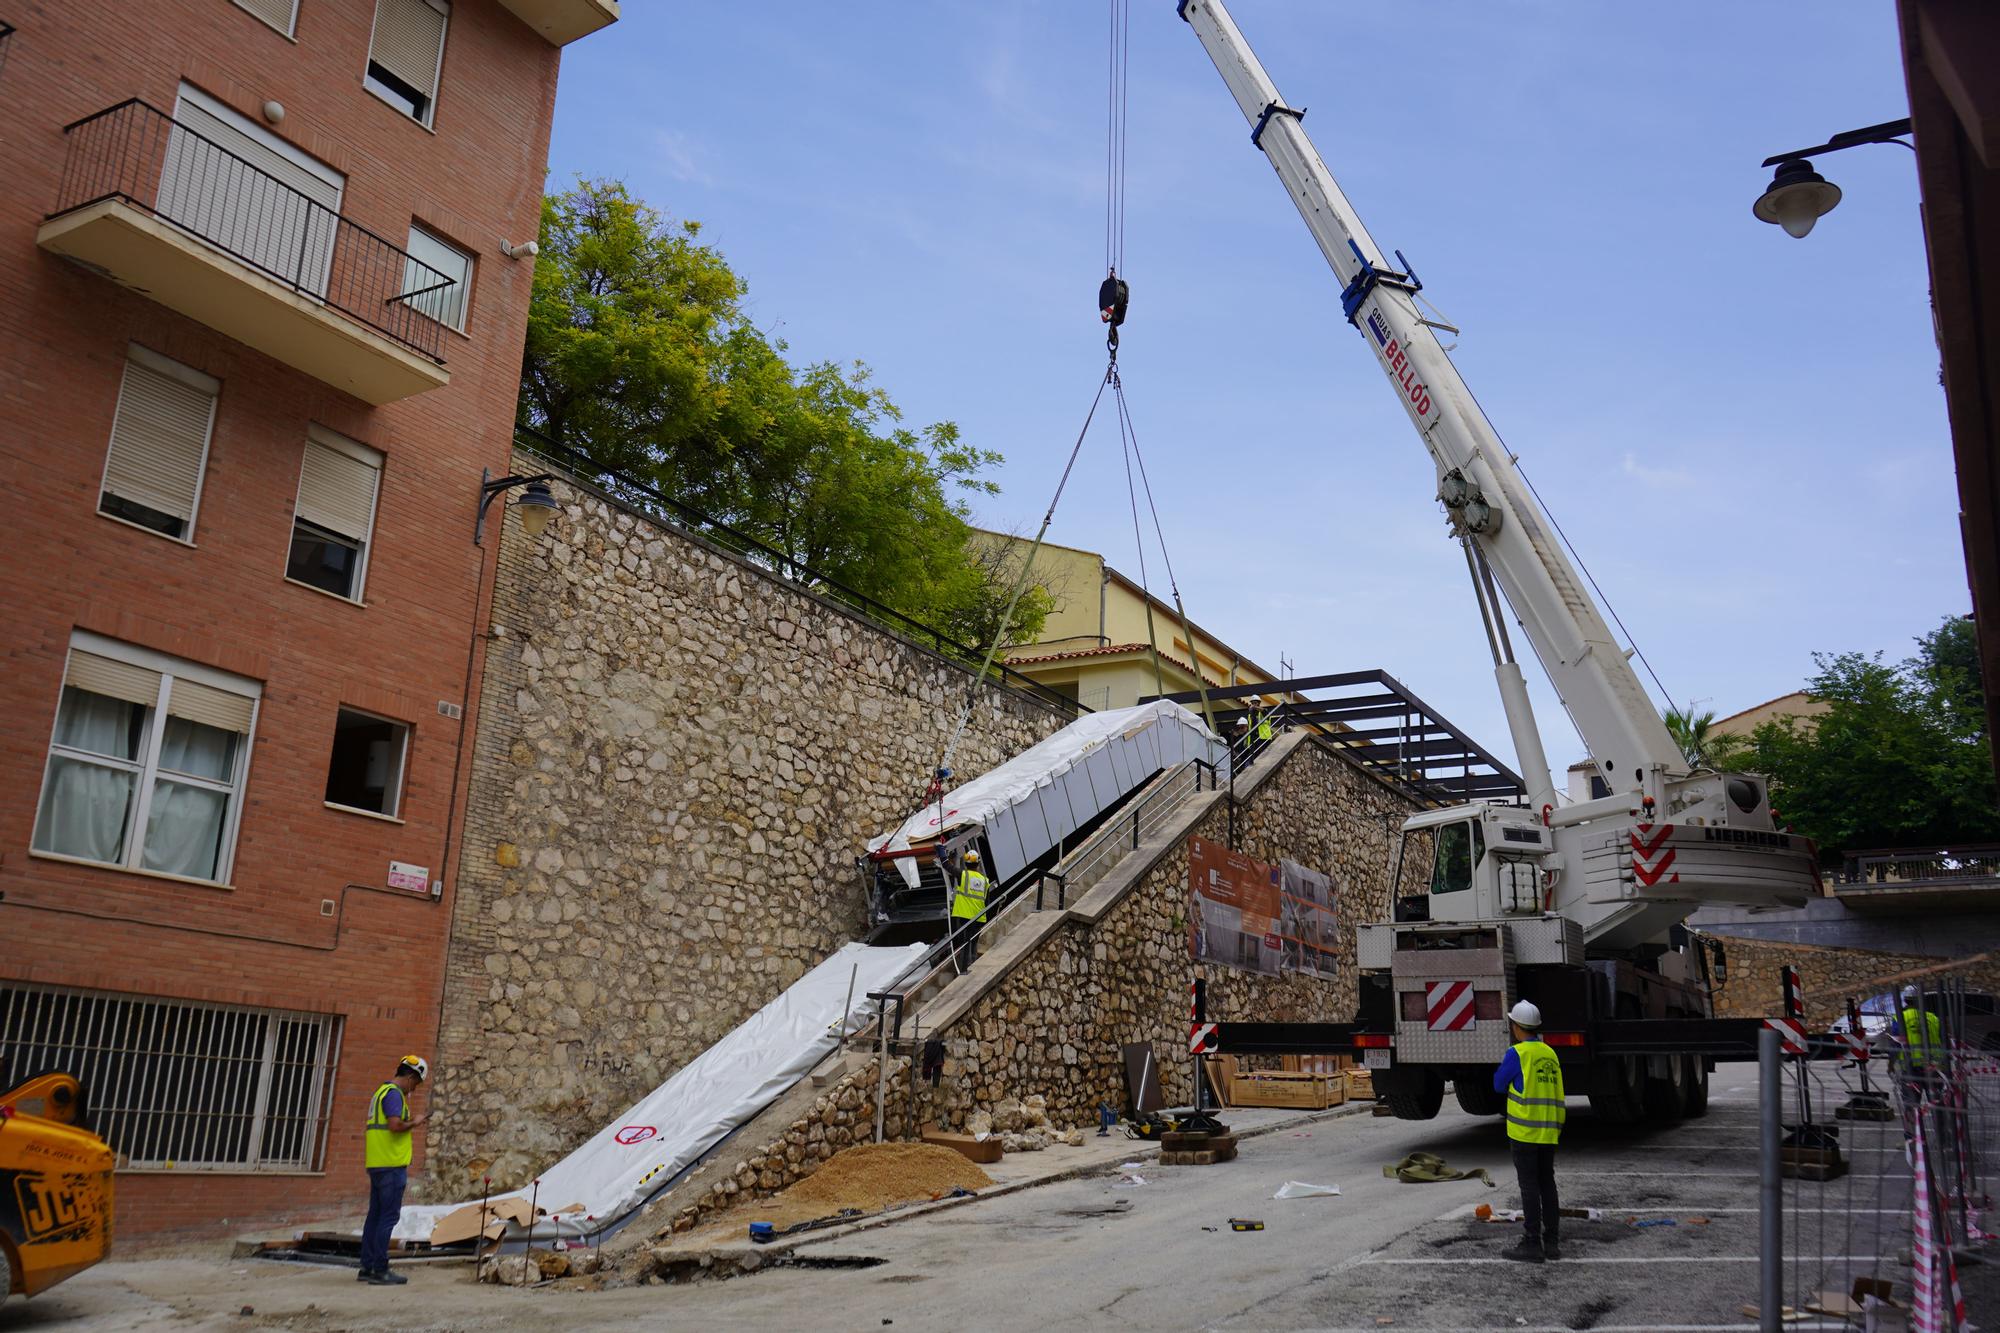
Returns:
point(178, 1083)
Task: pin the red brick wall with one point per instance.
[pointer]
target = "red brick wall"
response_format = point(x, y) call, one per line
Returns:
point(224, 602)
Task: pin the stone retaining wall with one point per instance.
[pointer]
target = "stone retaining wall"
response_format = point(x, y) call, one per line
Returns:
point(679, 758)
point(1830, 976)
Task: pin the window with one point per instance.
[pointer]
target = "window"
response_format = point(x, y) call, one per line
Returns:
point(159, 444)
point(438, 262)
point(145, 771)
point(366, 772)
point(249, 193)
point(280, 14)
point(1459, 847)
point(335, 514)
point(181, 1084)
point(405, 52)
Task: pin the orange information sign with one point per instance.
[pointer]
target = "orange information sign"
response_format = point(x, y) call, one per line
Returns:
point(1249, 914)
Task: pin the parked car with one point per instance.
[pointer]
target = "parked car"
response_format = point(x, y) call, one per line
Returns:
point(1878, 1014)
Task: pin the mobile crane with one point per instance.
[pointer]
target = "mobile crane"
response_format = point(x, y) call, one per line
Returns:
point(1576, 905)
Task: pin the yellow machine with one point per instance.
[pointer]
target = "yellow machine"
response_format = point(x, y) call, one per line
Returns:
point(55, 1186)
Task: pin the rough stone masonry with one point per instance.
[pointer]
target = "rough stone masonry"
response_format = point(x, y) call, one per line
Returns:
point(679, 758)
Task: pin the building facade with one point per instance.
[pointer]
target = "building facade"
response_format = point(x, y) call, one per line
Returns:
point(1097, 646)
point(265, 316)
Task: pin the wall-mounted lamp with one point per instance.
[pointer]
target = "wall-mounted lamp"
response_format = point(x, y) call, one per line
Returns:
point(1798, 196)
point(536, 506)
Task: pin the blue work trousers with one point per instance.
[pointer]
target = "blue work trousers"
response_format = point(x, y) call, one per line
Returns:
point(385, 1205)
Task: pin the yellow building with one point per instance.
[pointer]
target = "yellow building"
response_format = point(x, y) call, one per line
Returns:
point(1797, 704)
point(1095, 646)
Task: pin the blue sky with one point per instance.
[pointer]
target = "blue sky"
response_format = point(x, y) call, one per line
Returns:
point(1742, 433)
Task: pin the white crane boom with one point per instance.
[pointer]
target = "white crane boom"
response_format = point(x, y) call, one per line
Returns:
point(1490, 505)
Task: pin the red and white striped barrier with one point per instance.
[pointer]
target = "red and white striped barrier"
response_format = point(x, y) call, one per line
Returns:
point(1791, 1034)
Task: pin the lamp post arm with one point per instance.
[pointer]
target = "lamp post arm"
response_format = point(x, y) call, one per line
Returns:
point(1886, 132)
point(491, 488)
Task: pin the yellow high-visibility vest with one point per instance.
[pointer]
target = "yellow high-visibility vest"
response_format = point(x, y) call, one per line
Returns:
point(1535, 1112)
point(969, 899)
point(385, 1146)
point(1923, 1038)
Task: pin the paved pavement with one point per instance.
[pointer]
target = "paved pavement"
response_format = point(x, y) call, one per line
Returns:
point(1098, 1251)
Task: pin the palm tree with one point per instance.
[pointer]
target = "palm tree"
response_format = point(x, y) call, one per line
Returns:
point(1700, 744)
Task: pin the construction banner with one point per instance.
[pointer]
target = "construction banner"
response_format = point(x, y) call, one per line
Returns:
point(1234, 905)
point(1306, 924)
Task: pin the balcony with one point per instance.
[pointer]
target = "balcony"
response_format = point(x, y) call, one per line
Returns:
point(1903, 880)
point(158, 207)
point(561, 22)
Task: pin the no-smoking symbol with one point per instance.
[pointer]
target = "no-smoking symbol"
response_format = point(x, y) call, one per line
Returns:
point(632, 1134)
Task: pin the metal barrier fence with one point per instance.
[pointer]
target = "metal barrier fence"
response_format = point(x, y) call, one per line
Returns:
point(1889, 1154)
point(140, 155)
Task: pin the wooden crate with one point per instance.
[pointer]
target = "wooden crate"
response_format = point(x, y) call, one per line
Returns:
point(1306, 1092)
point(1360, 1084)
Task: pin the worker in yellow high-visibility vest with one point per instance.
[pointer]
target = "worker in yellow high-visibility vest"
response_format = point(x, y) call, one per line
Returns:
point(968, 909)
point(1532, 1078)
point(388, 1153)
point(1922, 1035)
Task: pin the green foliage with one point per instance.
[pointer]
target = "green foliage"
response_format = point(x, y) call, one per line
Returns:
point(640, 357)
point(1700, 743)
point(1899, 759)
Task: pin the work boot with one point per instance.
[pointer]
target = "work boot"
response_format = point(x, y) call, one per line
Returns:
point(1527, 1252)
point(389, 1279)
point(364, 1275)
point(1551, 1248)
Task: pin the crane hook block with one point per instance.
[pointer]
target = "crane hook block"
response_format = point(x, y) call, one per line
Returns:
point(1112, 297)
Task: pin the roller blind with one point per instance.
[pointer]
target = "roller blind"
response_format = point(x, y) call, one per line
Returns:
point(159, 436)
point(337, 488)
point(209, 706)
point(277, 13)
point(409, 34)
point(115, 679)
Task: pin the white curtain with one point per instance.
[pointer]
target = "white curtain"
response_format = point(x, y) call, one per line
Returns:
point(84, 805)
point(184, 824)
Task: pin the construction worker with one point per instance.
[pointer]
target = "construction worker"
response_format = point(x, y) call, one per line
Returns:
point(968, 909)
point(1532, 1078)
point(388, 1160)
point(1265, 732)
point(1922, 1035)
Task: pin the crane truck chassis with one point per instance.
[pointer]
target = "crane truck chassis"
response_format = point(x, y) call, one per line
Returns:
point(1576, 904)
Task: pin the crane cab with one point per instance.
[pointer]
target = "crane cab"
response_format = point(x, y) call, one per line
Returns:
point(1479, 862)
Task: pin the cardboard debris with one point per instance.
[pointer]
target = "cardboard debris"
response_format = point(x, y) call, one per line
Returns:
point(463, 1224)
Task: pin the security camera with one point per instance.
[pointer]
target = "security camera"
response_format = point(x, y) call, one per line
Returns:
point(525, 250)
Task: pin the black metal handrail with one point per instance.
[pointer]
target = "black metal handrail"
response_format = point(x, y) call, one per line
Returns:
point(135, 153)
point(675, 513)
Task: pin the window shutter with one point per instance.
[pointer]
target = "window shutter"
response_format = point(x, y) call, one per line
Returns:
point(277, 13)
point(209, 706)
point(114, 679)
point(409, 34)
point(337, 491)
point(158, 437)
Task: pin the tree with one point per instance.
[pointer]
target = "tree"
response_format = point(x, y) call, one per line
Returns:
point(1896, 760)
point(1700, 743)
point(639, 357)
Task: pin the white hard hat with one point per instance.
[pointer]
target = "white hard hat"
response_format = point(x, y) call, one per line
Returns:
point(416, 1065)
point(1525, 1014)
point(1911, 994)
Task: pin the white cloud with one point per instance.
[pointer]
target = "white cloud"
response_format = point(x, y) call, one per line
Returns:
point(1662, 478)
point(680, 155)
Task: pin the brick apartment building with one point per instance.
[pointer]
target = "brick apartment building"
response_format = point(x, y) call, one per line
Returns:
point(262, 332)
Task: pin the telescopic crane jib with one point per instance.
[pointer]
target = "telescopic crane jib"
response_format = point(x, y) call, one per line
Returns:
point(1584, 896)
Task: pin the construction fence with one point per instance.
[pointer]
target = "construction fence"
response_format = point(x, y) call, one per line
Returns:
point(1887, 1138)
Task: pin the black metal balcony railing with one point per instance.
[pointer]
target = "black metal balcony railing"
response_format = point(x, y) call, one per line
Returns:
point(1974, 865)
point(140, 155)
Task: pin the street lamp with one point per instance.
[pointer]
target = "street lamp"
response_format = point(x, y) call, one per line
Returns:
point(1798, 196)
point(536, 506)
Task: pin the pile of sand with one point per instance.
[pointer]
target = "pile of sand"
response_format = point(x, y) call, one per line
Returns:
point(872, 1176)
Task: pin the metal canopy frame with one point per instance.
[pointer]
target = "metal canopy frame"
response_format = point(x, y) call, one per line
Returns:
point(1420, 750)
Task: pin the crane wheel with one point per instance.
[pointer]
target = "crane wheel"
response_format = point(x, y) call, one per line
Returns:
point(1666, 1099)
point(1476, 1097)
point(1697, 1086)
point(1422, 1103)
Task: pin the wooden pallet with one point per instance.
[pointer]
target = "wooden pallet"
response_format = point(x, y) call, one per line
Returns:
point(1214, 1148)
point(1360, 1084)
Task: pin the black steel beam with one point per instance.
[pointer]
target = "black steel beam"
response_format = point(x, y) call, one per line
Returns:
point(1415, 731)
point(1286, 1038)
point(1410, 749)
point(1298, 686)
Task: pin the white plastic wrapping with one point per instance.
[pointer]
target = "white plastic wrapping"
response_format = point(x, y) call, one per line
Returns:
point(1048, 791)
point(673, 1125)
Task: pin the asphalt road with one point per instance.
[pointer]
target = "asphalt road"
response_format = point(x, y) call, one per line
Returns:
point(1100, 1252)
